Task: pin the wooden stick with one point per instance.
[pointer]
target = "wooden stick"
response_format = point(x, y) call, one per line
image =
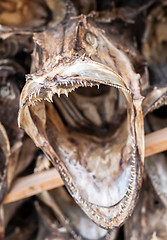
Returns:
point(156, 142)
point(35, 183)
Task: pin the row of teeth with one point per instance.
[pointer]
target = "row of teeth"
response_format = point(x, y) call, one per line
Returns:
point(131, 180)
point(60, 91)
point(79, 83)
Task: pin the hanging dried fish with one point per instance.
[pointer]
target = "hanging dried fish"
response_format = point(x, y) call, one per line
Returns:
point(155, 35)
point(11, 135)
point(4, 158)
point(95, 136)
point(156, 166)
point(154, 109)
point(19, 19)
point(10, 74)
point(155, 50)
point(149, 219)
point(29, 15)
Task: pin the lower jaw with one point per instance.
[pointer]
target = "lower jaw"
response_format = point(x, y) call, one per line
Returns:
point(106, 217)
point(110, 216)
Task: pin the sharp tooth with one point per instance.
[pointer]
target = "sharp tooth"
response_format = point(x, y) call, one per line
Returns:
point(72, 83)
point(35, 94)
point(66, 84)
point(50, 96)
point(98, 86)
point(59, 92)
point(85, 84)
point(66, 93)
point(38, 91)
point(82, 83)
point(91, 85)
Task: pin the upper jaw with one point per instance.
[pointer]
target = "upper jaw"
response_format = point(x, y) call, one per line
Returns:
point(66, 78)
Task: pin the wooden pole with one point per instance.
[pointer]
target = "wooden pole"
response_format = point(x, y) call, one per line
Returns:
point(35, 183)
point(156, 142)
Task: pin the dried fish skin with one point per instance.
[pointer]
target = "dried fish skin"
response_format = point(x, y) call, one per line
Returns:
point(4, 159)
point(156, 165)
point(19, 19)
point(11, 80)
point(43, 14)
point(155, 51)
point(81, 55)
point(148, 221)
point(10, 73)
point(48, 225)
point(155, 35)
point(31, 15)
point(15, 44)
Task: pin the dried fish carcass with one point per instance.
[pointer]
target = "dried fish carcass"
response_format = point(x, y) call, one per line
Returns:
point(95, 136)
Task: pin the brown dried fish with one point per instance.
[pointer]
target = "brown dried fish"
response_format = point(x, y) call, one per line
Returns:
point(155, 36)
point(29, 15)
point(19, 19)
point(156, 166)
point(10, 75)
point(149, 219)
point(154, 109)
point(154, 49)
point(4, 158)
point(11, 135)
point(95, 137)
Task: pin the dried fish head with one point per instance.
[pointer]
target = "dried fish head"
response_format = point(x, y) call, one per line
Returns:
point(95, 136)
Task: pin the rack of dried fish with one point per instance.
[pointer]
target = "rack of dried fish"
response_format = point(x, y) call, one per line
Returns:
point(81, 82)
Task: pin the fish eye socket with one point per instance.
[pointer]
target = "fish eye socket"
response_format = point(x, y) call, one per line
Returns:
point(91, 39)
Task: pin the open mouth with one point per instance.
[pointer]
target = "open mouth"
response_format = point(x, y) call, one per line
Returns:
point(85, 123)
